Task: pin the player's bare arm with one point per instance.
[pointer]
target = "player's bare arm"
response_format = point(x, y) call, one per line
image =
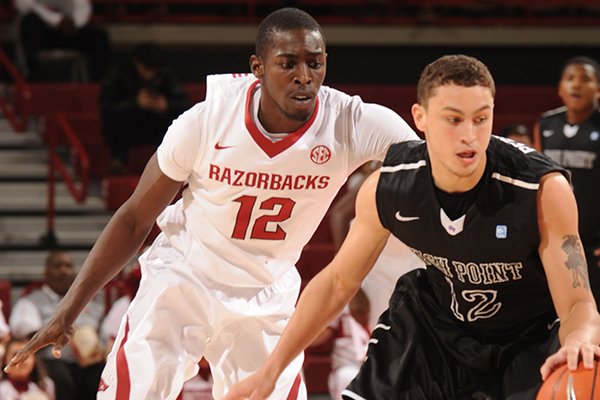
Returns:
point(564, 263)
point(118, 242)
point(325, 295)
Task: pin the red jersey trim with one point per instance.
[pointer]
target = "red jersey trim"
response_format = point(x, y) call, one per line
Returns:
point(274, 148)
point(123, 382)
point(293, 395)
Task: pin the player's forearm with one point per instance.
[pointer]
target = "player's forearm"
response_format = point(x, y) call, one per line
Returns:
point(116, 245)
point(582, 323)
point(321, 301)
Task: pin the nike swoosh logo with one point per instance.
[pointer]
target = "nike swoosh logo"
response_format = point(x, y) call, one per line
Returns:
point(405, 219)
point(551, 324)
point(219, 147)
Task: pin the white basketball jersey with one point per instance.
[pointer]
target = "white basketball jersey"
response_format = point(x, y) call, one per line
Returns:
point(252, 203)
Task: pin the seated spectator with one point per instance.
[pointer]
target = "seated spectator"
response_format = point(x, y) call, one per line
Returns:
point(29, 381)
point(139, 100)
point(63, 24)
point(76, 373)
point(518, 133)
point(350, 334)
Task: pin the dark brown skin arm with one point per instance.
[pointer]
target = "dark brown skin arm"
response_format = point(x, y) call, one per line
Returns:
point(118, 243)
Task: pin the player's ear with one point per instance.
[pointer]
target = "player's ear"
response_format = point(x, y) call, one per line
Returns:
point(419, 116)
point(257, 66)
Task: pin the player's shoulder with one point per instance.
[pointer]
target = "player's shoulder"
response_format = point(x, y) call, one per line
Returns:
point(519, 161)
point(225, 85)
point(334, 98)
point(557, 112)
point(407, 152)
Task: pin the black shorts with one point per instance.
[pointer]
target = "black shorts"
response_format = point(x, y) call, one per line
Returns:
point(418, 351)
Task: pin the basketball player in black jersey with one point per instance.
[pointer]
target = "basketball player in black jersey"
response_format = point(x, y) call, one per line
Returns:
point(570, 135)
point(496, 224)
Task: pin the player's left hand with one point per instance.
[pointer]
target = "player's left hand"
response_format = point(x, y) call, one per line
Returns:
point(257, 386)
point(570, 353)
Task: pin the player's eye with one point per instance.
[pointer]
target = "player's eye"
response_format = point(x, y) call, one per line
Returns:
point(315, 64)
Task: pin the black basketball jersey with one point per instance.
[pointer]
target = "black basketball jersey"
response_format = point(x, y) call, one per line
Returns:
point(484, 267)
point(577, 148)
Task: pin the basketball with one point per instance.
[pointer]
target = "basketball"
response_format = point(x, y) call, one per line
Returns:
point(563, 384)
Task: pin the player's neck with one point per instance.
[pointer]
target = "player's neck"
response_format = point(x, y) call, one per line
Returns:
point(575, 117)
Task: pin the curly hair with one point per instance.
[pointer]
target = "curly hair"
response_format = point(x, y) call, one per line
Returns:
point(455, 69)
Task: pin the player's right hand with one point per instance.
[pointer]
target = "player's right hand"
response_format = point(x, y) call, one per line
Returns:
point(257, 386)
point(53, 333)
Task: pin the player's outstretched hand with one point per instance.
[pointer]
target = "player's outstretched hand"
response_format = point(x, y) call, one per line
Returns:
point(570, 352)
point(257, 386)
point(53, 333)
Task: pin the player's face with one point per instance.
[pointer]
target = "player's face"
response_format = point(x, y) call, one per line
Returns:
point(291, 74)
point(457, 123)
point(579, 88)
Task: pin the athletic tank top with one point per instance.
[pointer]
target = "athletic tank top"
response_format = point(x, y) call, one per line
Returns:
point(484, 267)
point(577, 148)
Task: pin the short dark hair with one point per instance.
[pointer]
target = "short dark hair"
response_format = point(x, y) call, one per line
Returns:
point(455, 69)
point(148, 54)
point(579, 60)
point(284, 19)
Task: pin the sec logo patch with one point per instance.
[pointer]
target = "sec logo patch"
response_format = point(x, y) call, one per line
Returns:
point(320, 154)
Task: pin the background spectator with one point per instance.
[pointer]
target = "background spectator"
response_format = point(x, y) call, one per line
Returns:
point(29, 381)
point(570, 135)
point(518, 133)
point(139, 100)
point(76, 373)
point(63, 24)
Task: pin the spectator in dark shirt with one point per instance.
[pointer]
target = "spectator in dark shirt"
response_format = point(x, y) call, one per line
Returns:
point(138, 101)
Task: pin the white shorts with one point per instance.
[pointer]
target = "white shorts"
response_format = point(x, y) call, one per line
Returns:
point(340, 378)
point(179, 316)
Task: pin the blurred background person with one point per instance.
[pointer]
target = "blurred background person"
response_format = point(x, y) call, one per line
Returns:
point(570, 135)
point(138, 101)
point(62, 24)
point(518, 133)
point(29, 381)
point(76, 373)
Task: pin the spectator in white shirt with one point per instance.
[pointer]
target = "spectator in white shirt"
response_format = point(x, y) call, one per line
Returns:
point(77, 372)
point(63, 24)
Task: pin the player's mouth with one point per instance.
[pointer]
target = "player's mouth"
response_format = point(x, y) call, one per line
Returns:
point(303, 100)
point(467, 157)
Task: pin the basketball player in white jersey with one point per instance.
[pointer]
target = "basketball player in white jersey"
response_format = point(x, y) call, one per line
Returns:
point(262, 157)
